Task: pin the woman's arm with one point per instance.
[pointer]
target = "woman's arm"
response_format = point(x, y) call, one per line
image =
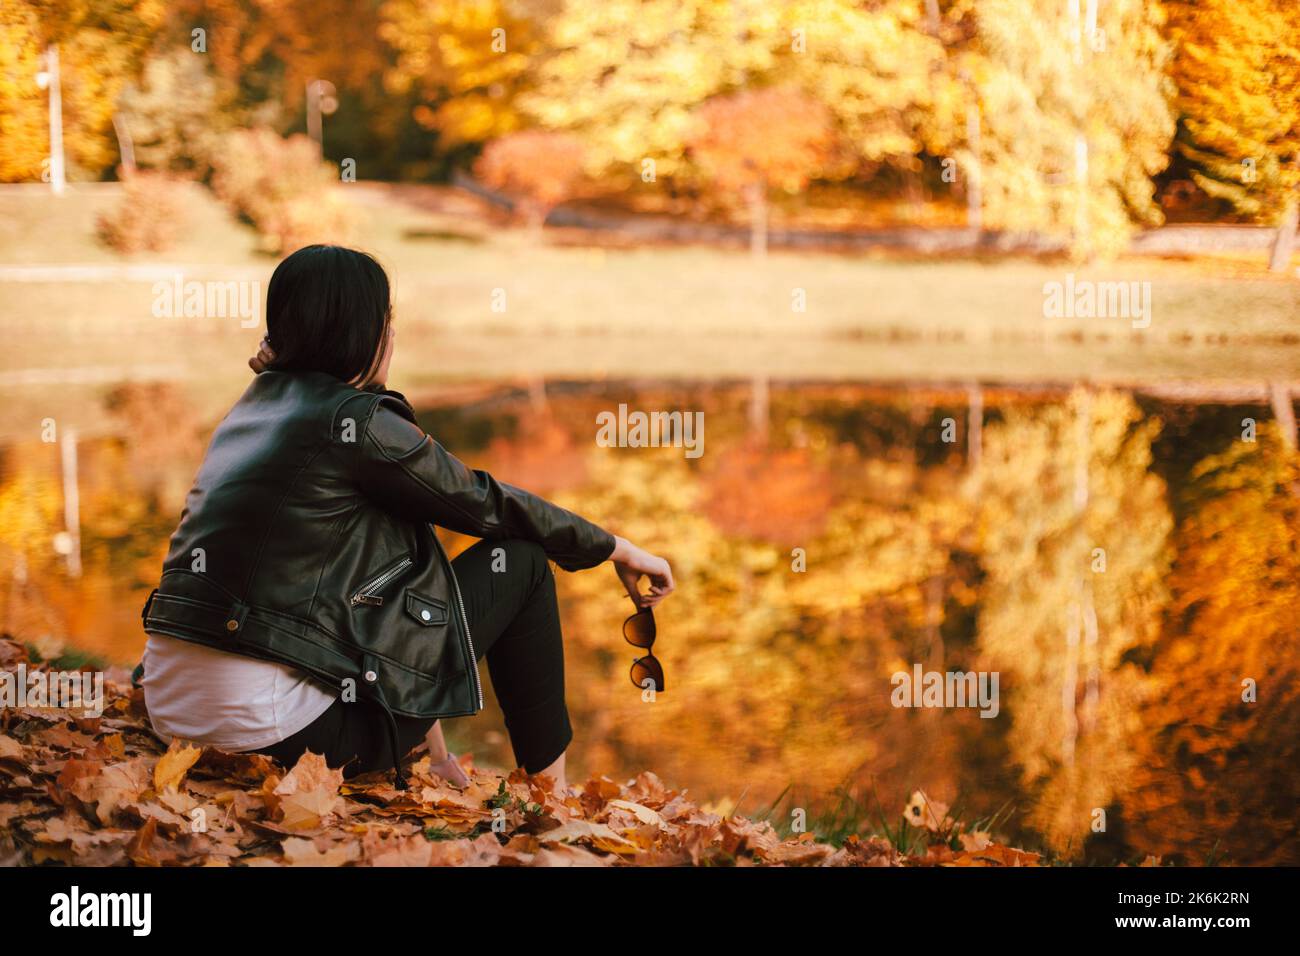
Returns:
point(407, 469)
point(409, 473)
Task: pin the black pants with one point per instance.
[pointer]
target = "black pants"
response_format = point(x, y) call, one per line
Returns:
point(515, 623)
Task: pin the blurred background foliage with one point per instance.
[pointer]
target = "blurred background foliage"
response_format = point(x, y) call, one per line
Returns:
point(1129, 566)
point(1073, 120)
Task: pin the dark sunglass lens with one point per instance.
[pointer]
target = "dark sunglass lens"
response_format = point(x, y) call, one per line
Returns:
point(648, 669)
point(639, 629)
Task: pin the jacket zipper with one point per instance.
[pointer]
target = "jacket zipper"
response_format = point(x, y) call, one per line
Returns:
point(473, 660)
point(365, 594)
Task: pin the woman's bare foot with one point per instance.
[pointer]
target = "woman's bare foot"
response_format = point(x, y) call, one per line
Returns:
point(556, 772)
point(449, 769)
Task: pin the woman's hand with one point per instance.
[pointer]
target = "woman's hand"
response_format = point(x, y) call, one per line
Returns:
point(264, 357)
point(631, 562)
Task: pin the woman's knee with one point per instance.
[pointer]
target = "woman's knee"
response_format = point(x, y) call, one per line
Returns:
point(521, 556)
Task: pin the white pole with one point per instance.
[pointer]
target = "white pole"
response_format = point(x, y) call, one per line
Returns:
point(313, 114)
point(56, 122)
point(71, 500)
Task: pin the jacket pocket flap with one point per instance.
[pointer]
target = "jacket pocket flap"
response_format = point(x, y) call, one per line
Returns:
point(428, 611)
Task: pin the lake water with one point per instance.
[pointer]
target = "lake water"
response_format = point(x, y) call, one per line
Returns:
point(1122, 569)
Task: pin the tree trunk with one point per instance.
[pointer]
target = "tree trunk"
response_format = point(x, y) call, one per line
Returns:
point(537, 394)
point(125, 145)
point(1283, 412)
point(974, 427)
point(1070, 678)
point(756, 197)
point(1092, 658)
point(934, 593)
point(932, 17)
point(1082, 237)
point(974, 197)
point(536, 214)
point(1284, 241)
point(759, 408)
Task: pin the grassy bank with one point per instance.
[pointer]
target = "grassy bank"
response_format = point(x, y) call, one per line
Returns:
point(477, 302)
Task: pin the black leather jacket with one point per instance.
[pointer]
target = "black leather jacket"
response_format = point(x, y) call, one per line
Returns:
point(307, 540)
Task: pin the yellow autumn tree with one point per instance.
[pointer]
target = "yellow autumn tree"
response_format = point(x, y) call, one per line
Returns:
point(101, 45)
point(1074, 118)
point(1073, 537)
point(627, 75)
point(469, 60)
point(879, 68)
point(1237, 71)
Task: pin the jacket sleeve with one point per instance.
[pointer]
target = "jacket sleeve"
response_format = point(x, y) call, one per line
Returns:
point(407, 472)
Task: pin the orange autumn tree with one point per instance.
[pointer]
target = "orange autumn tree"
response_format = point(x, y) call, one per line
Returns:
point(1217, 776)
point(754, 141)
point(538, 169)
point(1236, 70)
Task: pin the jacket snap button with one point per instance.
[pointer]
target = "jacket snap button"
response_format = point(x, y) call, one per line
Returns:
point(371, 676)
point(232, 625)
point(426, 615)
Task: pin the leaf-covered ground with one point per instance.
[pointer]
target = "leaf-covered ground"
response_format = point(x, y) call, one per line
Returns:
point(104, 791)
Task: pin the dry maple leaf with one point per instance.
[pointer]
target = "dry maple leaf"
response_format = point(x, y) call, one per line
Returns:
point(975, 840)
point(482, 851)
point(107, 792)
point(61, 737)
point(308, 795)
point(174, 764)
point(12, 654)
point(387, 847)
point(994, 855)
point(107, 786)
point(599, 835)
point(802, 852)
point(924, 813)
point(298, 851)
point(637, 813)
point(873, 851)
point(67, 840)
point(563, 854)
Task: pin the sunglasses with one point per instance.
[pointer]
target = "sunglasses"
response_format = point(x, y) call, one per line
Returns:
point(639, 631)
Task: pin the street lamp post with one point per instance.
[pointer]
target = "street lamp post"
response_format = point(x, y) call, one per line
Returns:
point(322, 99)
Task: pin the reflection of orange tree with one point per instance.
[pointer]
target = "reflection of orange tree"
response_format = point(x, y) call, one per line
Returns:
point(787, 504)
point(774, 677)
point(540, 457)
point(1058, 484)
point(161, 434)
point(1217, 768)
